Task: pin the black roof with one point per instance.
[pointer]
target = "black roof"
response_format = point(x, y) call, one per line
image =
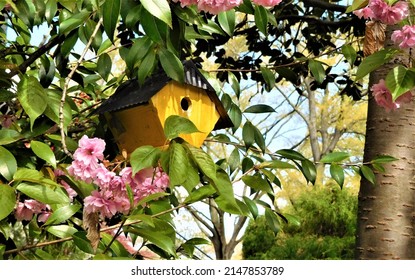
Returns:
point(132, 94)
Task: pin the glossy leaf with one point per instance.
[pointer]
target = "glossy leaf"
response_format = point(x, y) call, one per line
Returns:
point(74, 21)
point(349, 53)
point(400, 80)
point(253, 208)
point(269, 77)
point(235, 115)
point(337, 173)
point(261, 18)
point(115, 246)
point(373, 62)
point(227, 21)
point(153, 28)
point(160, 9)
point(226, 200)
point(175, 125)
point(277, 164)
point(104, 65)
point(259, 139)
point(383, 159)
point(146, 66)
point(248, 134)
point(334, 157)
point(53, 106)
point(7, 200)
point(290, 154)
point(42, 193)
point(368, 174)
point(272, 220)
point(236, 87)
point(259, 108)
point(234, 160)
point(144, 157)
point(257, 182)
point(309, 170)
point(62, 231)
point(200, 193)
point(62, 214)
point(357, 4)
point(43, 151)
point(171, 65)
point(138, 51)
point(82, 242)
point(177, 164)
point(203, 161)
point(8, 136)
point(8, 164)
point(110, 14)
point(32, 97)
point(317, 69)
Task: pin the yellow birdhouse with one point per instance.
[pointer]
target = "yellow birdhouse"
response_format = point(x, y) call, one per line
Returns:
point(136, 114)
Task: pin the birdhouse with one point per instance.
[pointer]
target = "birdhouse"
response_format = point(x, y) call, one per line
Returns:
point(136, 113)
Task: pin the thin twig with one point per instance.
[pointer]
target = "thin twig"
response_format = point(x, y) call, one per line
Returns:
point(65, 88)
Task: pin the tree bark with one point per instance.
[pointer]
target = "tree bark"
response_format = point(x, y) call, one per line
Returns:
point(386, 211)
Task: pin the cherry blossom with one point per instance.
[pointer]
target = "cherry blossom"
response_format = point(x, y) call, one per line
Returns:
point(380, 10)
point(405, 37)
point(25, 210)
point(267, 3)
point(383, 97)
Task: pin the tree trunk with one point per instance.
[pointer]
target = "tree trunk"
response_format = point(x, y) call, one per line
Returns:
point(386, 212)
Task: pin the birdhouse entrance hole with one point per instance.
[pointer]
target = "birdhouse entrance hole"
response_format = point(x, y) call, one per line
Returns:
point(185, 103)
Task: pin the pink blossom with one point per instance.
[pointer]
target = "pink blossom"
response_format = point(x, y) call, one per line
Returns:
point(71, 192)
point(365, 13)
point(100, 202)
point(388, 14)
point(216, 6)
point(22, 213)
point(267, 3)
point(404, 37)
point(102, 176)
point(90, 150)
point(25, 210)
point(383, 97)
point(184, 3)
point(82, 172)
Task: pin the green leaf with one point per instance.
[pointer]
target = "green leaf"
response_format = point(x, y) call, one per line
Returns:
point(43, 151)
point(349, 53)
point(309, 170)
point(357, 4)
point(272, 220)
point(104, 65)
point(233, 81)
point(248, 134)
point(269, 77)
point(82, 242)
point(8, 164)
point(259, 139)
point(146, 66)
point(317, 69)
point(400, 80)
point(235, 115)
point(8, 136)
point(43, 255)
point(74, 21)
point(261, 19)
point(160, 9)
point(32, 97)
point(383, 159)
point(144, 157)
point(53, 107)
point(116, 247)
point(138, 51)
point(205, 163)
point(226, 200)
point(175, 125)
point(290, 154)
point(368, 174)
point(42, 193)
point(259, 108)
point(291, 219)
point(251, 206)
point(227, 21)
point(334, 157)
point(234, 160)
point(287, 74)
point(51, 9)
point(153, 28)
point(247, 164)
point(337, 173)
point(178, 164)
point(199, 194)
point(7, 200)
point(171, 65)
point(62, 231)
point(277, 164)
point(62, 214)
point(110, 13)
point(373, 62)
point(258, 183)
